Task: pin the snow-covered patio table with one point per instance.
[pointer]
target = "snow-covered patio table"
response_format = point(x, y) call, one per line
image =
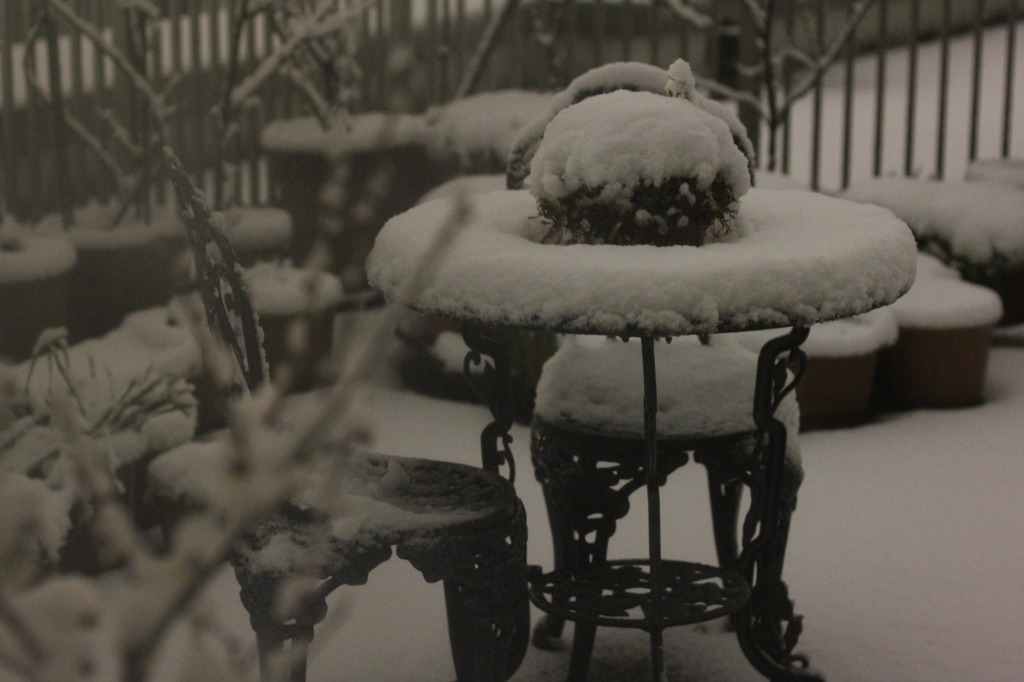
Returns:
point(797, 259)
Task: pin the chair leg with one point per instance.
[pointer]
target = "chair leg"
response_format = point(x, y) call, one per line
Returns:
point(259, 596)
point(487, 602)
point(270, 641)
point(550, 627)
point(724, 493)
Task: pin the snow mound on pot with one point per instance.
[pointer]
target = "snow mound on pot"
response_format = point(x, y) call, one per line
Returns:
point(27, 258)
point(945, 303)
point(281, 289)
point(976, 221)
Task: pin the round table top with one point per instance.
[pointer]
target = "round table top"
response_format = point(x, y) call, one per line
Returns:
point(800, 258)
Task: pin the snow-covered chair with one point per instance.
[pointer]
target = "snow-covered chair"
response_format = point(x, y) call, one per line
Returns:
point(456, 523)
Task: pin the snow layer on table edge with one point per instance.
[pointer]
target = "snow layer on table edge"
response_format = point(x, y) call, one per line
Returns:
point(978, 219)
point(595, 383)
point(617, 140)
point(37, 257)
point(778, 275)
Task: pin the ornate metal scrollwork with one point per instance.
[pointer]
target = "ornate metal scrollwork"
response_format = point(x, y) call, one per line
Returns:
point(494, 387)
point(229, 309)
point(768, 628)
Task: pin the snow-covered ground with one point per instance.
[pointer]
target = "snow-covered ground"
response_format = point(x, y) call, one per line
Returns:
point(906, 547)
point(904, 556)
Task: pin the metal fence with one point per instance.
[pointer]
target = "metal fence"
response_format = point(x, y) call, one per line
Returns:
point(876, 103)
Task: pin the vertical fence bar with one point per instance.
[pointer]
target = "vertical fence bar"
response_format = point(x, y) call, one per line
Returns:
point(1011, 69)
point(915, 27)
point(627, 29)
point(787, 84)
point(8, 149)
point(979, 30)
point(940, 142)
point(599, 20)
point(655, 36)
point(821, 41)
point(883, 45)
point(433, 73)
point(848, 79)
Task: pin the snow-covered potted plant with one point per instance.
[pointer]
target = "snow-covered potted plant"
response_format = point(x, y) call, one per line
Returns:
point(972, 226)
point(631, 168)
point(124, 395)
point(34, 273)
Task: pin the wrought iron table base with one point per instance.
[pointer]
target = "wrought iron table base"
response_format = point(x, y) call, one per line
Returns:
point(585, 496)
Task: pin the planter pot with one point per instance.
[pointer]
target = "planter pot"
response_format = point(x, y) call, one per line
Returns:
point(836, 392)
point(942, 353)
point(33, 292)
point(296, 180)
point(284, 296)
point(1010, 287)
point(119, 272)
point(387, 169)
point(306, 368)
point(935, 368)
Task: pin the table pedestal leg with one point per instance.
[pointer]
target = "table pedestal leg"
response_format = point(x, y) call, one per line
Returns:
point(653, 507)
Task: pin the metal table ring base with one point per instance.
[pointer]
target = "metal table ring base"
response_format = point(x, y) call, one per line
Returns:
point(652, 594)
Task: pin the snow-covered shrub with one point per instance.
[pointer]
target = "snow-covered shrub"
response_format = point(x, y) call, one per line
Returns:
point(638, 168)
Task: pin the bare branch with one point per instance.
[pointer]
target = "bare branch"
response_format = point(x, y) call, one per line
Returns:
point(484, 49)
point(717, 88)
point(157, 99)
point(691, 15)
point(756, 14)
point(826, 60)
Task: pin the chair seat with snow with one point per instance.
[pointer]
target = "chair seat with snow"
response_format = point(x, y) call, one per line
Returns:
point(456, 523)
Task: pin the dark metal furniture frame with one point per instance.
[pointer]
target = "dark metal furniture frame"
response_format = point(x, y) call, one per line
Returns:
point(479, 550)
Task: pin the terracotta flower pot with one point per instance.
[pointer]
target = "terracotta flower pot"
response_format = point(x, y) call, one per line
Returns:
point(386, 168)
point(33, 292)
point(942, 353)
point(836, 392)
point(935, 367)
point(119, 272)
point(283, 297)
